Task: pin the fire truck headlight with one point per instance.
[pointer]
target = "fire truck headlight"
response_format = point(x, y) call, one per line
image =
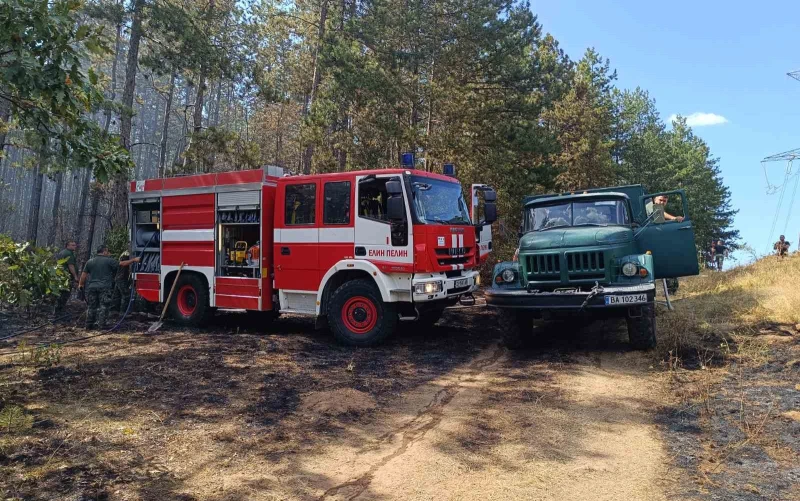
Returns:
point(428, 288)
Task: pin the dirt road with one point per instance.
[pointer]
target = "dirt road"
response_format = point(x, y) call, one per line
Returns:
point(500, 428)
point(449, 414)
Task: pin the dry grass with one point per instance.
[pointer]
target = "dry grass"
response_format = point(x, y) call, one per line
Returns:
point(716, 309)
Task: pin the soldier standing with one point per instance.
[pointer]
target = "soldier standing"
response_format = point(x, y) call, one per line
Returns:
point(68, 253)
point(100, 271)
point(122, 285)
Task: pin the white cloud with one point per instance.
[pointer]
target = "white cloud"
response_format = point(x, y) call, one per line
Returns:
point(700, 119)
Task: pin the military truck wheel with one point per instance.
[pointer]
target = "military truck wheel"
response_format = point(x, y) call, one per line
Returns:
point(190, 305)
point(357, 315)
point(642, 329)
point(517, 327)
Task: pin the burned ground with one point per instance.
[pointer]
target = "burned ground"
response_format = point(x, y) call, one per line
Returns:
point(239, 410)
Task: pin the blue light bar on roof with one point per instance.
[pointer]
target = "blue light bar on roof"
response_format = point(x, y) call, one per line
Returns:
point(407, 160)
point(449, 170)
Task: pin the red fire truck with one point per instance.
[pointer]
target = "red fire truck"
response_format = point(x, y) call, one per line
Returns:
point(358, 250)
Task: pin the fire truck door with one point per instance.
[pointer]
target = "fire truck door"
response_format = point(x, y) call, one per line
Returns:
point(296, 246)
point(377, 238)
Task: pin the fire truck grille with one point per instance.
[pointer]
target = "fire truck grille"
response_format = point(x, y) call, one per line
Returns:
point(455, 260)
point(453, 251)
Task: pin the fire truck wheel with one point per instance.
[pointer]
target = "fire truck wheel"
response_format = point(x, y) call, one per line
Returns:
point(189, 306)
point(357, 315)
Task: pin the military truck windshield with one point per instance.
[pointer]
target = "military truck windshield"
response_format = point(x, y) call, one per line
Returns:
point(438, 202)
point(571, 214)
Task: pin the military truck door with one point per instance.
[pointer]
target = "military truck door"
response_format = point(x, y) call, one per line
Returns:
point(670, 241)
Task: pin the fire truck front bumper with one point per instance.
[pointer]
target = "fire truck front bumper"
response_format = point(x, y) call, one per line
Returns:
point(437, 287)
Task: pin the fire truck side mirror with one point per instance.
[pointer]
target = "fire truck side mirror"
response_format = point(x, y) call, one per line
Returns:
point(490, 212)
point(490, 196)
point(395, 208)
point(394, 188)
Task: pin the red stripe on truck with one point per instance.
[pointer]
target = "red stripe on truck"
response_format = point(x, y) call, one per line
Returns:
point(148, 286)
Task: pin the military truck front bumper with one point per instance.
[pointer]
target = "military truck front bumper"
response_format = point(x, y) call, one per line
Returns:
point(570, 299)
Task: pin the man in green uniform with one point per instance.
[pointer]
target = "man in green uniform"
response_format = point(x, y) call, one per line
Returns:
point(100, 271)
point(122, 286)
point(68, 254)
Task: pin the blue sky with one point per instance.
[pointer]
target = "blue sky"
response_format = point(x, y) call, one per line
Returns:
point(724, 58)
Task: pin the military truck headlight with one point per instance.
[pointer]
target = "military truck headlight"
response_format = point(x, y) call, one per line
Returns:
point(428, 288)
point(508, 275)
point(629, 269)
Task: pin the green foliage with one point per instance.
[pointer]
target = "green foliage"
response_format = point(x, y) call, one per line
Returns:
point(14, 418)
point(43, 76)
point(218, 149)
point(118, 240)
point(41, 356)
point(28, 275)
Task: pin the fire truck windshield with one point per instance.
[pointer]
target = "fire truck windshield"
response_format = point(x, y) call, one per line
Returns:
point(438, 202)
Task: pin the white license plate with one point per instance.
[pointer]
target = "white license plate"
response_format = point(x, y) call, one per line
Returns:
point(464, 282)
point(628, 299)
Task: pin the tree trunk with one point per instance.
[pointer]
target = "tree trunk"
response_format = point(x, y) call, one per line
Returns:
point(51, 237)
point(83, 209)
point(162, 154)
point(201, 80)
point(117, 44)
point(197, 119)
point(215, 120)
point(323, 17)
point(36, 203)
point(5, 117)
point(87, 250)
point(119, 194)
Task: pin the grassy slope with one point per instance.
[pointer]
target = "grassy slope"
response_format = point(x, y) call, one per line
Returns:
point(715, 308)
point(736, 427)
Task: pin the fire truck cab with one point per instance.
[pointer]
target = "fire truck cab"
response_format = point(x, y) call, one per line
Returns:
point(357, 250)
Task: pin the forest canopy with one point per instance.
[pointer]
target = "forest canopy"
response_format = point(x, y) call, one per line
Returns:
point(93, 94)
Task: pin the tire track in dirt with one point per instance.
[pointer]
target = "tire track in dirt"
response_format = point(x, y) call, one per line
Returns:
point(415, 430)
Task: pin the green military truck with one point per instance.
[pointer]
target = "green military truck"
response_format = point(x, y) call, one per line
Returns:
point(597, 252)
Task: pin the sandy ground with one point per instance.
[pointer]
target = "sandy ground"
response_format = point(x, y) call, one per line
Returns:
point(496, 429)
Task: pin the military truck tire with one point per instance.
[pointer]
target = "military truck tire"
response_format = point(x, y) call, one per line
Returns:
point(190, 305)
point(642, 329)
point(358, 317)
point(517, 327)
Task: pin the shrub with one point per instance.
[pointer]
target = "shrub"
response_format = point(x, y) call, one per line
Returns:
point(28, 275)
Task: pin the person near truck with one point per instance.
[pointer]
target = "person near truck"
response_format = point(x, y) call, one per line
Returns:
point(67, 254)
point(781, 247)
point(97, 280)
point(121, 295)
point(720, 253)
point(658, 208)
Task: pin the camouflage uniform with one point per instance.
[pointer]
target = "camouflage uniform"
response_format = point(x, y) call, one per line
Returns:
point(121, 295)
point(99, 300)
point(64, 296)
point(101, 270)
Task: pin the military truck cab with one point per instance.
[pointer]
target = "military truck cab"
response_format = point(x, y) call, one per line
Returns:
point(596, 252)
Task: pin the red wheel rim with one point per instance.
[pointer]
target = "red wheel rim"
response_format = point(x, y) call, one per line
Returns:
point(187, 300)
point(359, 315)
